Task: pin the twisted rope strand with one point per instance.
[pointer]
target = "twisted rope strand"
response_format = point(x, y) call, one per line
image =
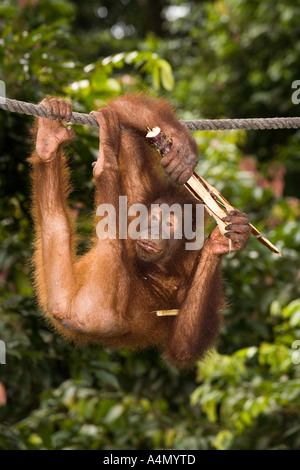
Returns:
point(201, 124)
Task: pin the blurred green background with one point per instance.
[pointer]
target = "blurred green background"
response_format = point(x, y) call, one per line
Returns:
point(211, 59)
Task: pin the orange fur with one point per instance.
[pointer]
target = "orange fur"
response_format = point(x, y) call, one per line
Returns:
point(107, 296)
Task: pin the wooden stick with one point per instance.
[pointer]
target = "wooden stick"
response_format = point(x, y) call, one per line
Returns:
point(203, 190)
point(166, 313)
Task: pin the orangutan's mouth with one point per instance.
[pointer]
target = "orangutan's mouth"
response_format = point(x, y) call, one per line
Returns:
point(149, 246)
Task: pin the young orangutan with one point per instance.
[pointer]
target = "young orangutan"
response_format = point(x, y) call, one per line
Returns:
point(109, 296)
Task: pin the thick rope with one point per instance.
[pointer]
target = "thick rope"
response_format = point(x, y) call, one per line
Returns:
point(201, 124)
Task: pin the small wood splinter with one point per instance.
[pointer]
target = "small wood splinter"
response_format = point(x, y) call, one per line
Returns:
point(215, 203)
point(166, 313)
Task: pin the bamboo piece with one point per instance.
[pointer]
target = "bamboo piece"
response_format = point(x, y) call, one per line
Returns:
point(166, 313)
point(215, 203)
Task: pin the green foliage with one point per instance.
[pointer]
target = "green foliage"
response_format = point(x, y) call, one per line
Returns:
point(236, 59)
point(252, 389)
point(242, 57)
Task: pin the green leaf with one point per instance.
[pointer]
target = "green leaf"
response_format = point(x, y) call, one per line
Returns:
point(156, 77)
point(114, 414)
point(167, 78)
point(223, 440)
